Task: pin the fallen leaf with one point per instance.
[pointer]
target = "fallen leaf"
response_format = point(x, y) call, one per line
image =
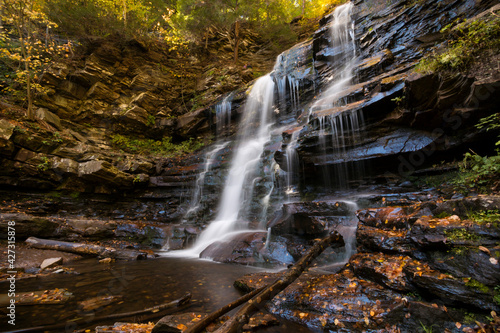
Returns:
point(485, 250)
point(458, 325)
point(494, 261)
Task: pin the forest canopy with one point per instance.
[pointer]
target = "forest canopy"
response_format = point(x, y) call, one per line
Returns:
point(35, 33)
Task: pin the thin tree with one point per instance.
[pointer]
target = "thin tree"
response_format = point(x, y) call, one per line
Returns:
point(18, 13)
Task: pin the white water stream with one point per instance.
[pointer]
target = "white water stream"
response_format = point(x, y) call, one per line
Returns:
point(254, 133)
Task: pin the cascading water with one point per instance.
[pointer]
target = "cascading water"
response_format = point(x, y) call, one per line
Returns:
point(292, 165)
point(223, 116)
point(339, 129)
point(210, 158)
point(344, 57)
point(254, 133)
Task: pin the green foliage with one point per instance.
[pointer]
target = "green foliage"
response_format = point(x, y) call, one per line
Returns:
point(479, 171)
point(468, 41)
point(164, 147)
point(496, 298)
point(150, 121)
point(491, 123)
point(45, 164)
point(461, 235)
point(484, 217)
point(105, 17)
point(471, 283)
point(426, 329)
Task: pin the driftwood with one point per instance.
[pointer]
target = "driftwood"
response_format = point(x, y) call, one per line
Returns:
point(146, 314)
point(85, 249)
point(235, 323)
point(203, 323)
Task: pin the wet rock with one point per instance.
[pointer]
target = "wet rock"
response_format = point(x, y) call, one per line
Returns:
point(180, 236)
point(29, 225)
point(243, 249)
point(259, 321)
point(308, 219)
point(176, 323)
point(339, 301)
point(250, 282)
point(428, 233)
point(463, 206)
point(385, 218)
point(51, 262)
point(384, 269)
point(450, 290)
point(387, 241)
point(467, 262)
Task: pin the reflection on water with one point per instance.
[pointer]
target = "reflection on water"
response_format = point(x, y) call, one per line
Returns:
point(142, 284)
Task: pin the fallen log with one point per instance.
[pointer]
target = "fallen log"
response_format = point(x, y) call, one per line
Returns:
point(146, 314)
point(86, 249)
point(203, 323)
point(235, 323)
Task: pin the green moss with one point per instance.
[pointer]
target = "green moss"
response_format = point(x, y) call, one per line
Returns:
point(496, 298)
point(484, 217)
point(461, 235)
point(467, 41)
point(164, 147)
point(471, 283)
point(442, 215)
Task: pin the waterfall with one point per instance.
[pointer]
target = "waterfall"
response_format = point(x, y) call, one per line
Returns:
point(223, 116)
point(210, 158)
point(292, 165)
point(339, 129)
point(344, 57)
point(254, 133)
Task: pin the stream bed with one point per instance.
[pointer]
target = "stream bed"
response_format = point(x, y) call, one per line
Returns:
point(142, 284)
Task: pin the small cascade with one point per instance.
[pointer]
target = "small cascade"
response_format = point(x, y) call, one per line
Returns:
point(338, 129)
point(292, 166)
point(254, 133)
point(337, 133)
point(289, 73)
point(210, 158)
point(332, 260)
point(344, 58)
point(223, 116)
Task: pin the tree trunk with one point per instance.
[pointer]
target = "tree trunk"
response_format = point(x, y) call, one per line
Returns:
point(303, 7)
point(202, 324)
point(235, 323)
point(85, 249)
point(236, 40)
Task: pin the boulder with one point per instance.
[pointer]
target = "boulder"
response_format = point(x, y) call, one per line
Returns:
point(51, 262)
point(242, 249)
